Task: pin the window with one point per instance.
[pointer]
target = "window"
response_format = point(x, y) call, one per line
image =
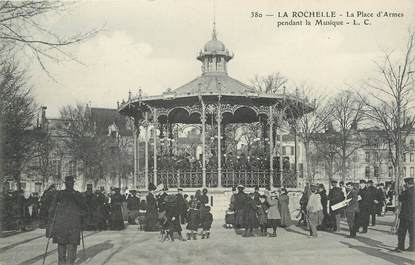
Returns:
point(390, 172)
point(412, 172)
point(284, 150)
point(367, 172)
point(55, 167)
point(367, 159)
point(23, 186)
point(404, 172)
point(72, 168)
point(38, 187)
point(412, 157)
point(403, 157)
point(412, 144)
point(376, 171)
point(292, 150)
point(376, 156)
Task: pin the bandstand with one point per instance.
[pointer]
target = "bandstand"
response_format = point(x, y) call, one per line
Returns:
point(213, 100)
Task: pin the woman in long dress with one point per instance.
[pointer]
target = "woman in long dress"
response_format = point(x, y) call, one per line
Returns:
point(151, 217)
point(283, 204)
point(117, 220)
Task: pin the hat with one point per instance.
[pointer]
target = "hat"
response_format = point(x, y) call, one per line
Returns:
point(69, 179)
point(240, 186)
point(333, 181)
point(179, 189)
point(151, 187)
point(370, 181)
point(133, 191)
point(314, 187)
point(117, 189)
point(349, 183)
point(362, 181)
point(409, 180)
point(89, 186)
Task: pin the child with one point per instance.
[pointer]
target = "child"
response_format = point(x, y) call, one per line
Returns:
point(142, 215)
point(229, 218)
point(164, 226)
point(206, 220)
point(193, 220)
point(262, 212)
point(314, 211)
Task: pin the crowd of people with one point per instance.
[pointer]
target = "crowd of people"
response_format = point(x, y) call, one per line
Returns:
point(229, 161)
point(255, 210)
point(66, 213)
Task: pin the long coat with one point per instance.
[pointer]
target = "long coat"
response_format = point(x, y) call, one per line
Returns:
point(239, 205)
point(273, 211)
point(66, 213)
point(151, 213)
point(117, 220)
point(284, 201)
point(262, 211)
point(249, 215)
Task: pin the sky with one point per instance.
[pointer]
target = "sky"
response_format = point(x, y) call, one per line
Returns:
point(153, 45)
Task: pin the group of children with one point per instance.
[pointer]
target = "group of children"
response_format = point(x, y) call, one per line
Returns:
point(194, 213)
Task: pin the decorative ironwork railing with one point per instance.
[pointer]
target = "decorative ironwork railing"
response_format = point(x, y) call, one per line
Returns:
point(229, 178)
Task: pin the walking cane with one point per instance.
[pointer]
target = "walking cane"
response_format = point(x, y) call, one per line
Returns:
point(83, 244)
point(50, 233)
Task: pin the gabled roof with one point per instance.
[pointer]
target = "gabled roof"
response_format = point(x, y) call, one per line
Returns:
point(104, 118)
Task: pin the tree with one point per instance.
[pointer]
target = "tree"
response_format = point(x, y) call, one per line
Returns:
point(17, 111)
point(392, 103)
point(82, 141)
point(347, 113)
point(308, 125)
point(272, 83)
point(22, 32)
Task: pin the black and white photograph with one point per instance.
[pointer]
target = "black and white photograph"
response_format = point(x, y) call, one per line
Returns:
point(207, 132)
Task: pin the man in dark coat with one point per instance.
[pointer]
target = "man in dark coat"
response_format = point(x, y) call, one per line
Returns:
point(116, 217)
point(372, 197)
point(102, 210)
point(67, 210)
point(91, 202)
point(239, 206)
point(172, 215)
point(181, 206)
point(352, 208)
point(336, 195)
point(407, 216)
point(133, 206)
point(256, 196)
point(364, 206)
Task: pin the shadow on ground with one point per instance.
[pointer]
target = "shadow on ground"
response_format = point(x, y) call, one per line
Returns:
point(378, 249)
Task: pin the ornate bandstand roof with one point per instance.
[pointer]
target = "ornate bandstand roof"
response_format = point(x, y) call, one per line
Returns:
point(239, 102)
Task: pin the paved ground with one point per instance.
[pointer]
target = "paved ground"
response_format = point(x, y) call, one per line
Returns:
point(292, 246)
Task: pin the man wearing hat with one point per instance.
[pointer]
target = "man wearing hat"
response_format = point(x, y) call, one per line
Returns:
point(364, 206)
point(407, 216)
point(116, 217)
point(336, 195)
point(373, 200)
point(239, 205)
point(91, 202)
point(133, 206)
point(352, 208)
point(67, 210)
point(181, 206)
